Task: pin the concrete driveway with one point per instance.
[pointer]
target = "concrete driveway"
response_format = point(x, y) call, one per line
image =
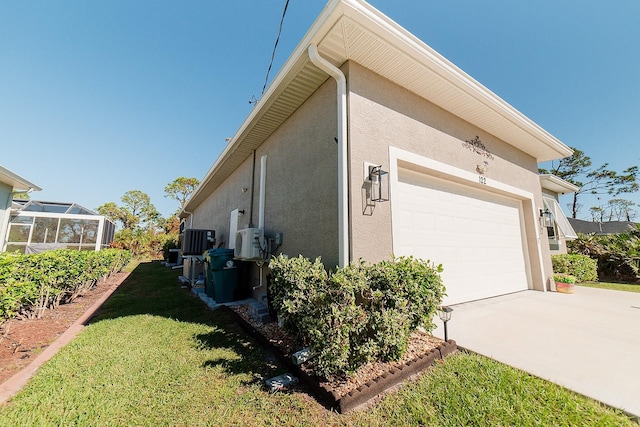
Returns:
point(588, 341)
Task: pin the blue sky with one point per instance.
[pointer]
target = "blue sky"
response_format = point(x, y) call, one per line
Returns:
point(101, 97)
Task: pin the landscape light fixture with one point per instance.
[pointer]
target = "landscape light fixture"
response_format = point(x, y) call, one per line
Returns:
point(379, 184)
point(444, 313)
point(546, 219)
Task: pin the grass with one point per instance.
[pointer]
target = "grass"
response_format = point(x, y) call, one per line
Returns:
point(612, 286)
point(156, 356)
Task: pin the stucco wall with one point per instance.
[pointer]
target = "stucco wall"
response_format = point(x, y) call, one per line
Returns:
point(301, 184)
point(302, 179)
point(214, 213)
point(383, 114)
point(5, 209)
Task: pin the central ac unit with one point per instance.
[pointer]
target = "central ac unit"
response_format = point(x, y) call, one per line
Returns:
point(195, 242)
point(249, 242)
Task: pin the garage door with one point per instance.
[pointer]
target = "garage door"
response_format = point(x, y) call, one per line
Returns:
point(475, 235)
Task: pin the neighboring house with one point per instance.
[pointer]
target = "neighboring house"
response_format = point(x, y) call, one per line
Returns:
point(458, 164)
point(10, 183)
point(559, 229)
point(37, 226)
point(602, 228)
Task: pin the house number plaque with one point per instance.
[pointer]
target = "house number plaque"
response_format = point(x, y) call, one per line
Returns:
point(482, 180)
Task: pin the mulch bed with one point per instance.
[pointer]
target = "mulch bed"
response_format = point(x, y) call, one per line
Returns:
point(367, 384)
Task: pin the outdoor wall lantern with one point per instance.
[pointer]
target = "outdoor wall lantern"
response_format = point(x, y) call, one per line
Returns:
point(546, 219)
point(379, 184)
point(444, 313)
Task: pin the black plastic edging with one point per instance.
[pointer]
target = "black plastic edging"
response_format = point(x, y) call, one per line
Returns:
point(365, 392)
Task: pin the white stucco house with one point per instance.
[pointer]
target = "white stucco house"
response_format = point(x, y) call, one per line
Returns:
point(458, 166)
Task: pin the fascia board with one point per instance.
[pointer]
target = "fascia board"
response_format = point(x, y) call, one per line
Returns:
point(16, 181)
point(557, 184)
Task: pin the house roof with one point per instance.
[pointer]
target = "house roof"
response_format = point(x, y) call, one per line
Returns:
point(16, 181)
point(354, 30)
point(556, 184)
point(609, 227)
point(19, 205)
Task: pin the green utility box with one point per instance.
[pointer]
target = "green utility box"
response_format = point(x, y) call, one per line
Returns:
point(221, 275)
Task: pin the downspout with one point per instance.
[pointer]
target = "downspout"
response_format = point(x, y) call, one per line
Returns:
point(253, 177)
point(263, 183)
point(343, 189)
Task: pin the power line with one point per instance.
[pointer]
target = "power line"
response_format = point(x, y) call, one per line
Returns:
point(273, 54)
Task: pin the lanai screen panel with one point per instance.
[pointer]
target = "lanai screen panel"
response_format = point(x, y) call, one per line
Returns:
point(56, 225)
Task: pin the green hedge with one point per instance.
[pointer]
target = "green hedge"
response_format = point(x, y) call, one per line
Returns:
point(356, 314)
point(30, 283)
point(583, 268)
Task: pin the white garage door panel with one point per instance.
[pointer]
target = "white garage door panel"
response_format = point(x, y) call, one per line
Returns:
point(475, 235)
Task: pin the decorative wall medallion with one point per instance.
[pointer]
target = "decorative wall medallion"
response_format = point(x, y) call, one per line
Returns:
point(478, 147)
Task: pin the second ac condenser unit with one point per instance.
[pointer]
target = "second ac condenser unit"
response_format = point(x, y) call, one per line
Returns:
point(248, 244)
point(195, 242)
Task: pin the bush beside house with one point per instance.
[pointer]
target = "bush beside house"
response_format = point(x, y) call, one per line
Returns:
point(355, 314)
point(581, 267)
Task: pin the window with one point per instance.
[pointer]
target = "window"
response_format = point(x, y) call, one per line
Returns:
point(560, 222)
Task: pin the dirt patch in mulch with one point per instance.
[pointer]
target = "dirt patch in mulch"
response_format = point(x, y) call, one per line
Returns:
point(22, 340)
point(369, 382)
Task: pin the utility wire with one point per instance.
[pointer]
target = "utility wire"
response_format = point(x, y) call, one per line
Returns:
point(273, 54)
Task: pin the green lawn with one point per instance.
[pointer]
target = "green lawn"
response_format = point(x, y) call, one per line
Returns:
point(156, 356)
point(612, 286)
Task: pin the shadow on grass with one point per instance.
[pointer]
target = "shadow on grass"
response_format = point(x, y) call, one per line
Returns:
point(254, 357)
point(153, 289)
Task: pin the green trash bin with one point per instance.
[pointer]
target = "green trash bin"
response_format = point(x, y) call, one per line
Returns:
point(224, 283)
point(208, 273)
point(221, 275)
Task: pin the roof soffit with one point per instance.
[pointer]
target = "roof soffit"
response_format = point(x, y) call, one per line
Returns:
point(556, 184)
point(16, 181)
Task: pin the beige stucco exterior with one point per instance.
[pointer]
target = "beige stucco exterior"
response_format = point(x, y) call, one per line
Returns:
point(301, 185)
point(383, 114)
point(301, 177)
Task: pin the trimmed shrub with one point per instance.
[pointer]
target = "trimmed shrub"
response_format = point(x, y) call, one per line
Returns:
point(355, 314)
point(33, 282)
point(581, 267)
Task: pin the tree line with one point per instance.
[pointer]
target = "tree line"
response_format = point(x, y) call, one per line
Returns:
point(142, 229)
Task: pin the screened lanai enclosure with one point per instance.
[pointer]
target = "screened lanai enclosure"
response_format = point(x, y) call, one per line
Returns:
point(40, 226)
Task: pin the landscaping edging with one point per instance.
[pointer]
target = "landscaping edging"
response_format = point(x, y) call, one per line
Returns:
point(365, 392)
